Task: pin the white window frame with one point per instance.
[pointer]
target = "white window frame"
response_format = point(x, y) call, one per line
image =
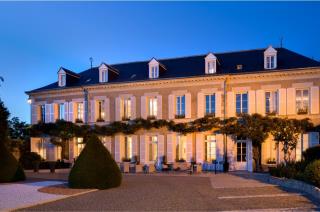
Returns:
point(180, 103)
point(80, 111)
point(80, 145)
point(104, 75)
point(154, 72)
point(127, 113)
point(62, 79)
point(101, 109)
point(128, 153)
point(211, 110)
point(242, 103)
point(153, 148)
point(211, 67)
point(210, 148)
point(152, 106)
point(61, 111)
point(273, 102)
point(302, 101)
point(181, 147)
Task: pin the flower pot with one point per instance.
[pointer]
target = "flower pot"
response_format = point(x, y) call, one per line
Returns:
point(36, 165)
point(52, 166)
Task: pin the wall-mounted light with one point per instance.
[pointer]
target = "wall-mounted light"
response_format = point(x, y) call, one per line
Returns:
point(29, 101)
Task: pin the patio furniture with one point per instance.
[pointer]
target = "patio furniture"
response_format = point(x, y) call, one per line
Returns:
point(151, 168)
point(138, 168)
point(125, 167)
point(165, 168)
point(197, 168)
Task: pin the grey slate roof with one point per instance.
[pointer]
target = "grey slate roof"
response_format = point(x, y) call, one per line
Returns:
point(251, 60)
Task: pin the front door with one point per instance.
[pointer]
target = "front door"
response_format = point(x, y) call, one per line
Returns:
point(241, 163)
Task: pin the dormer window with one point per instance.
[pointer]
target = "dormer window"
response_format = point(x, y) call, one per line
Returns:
point(62, 78)
point(270, 58)
point(103, 73)
point(154, 69)
point(211, 64)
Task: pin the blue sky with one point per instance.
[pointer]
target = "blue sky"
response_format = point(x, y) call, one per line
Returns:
point(37, 38)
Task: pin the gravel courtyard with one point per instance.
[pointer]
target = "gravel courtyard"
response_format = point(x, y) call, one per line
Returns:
point(213, 192)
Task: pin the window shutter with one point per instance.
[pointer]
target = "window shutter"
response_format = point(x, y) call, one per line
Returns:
point(143, 149)
point(261, 102)
point(200, 105)
point(189, 148)
point(52, 113)
point(199, 147)
point(144, 107)
point(71, 117)
point(117, 149)
point(34, 114)
point(107, 109)
point(72, 148)
point(150, 75)
point(47, 113)
point(159, 105)
point(219, 147)
point(56, 112)
point(282, 101)
point(66, 111)
point(133, 108)
point(231, 107)
point(188, 105)
point(252, 101)
point(171, 106)
point(160, 146)
point(118, 109)
point(93, 111)
point(291, 101)
point(135, 145)
point(218, 104)
point(171, 148)
point(314, 97)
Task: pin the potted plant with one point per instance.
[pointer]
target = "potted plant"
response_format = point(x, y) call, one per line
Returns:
point(52, 166)
point(271, 161)
point(181, 116)
point(100, 120)
point(79, 121)
point(151, 117)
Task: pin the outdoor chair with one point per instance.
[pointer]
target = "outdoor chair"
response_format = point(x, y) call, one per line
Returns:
point(138, 168)
point(126, 167)
point(151, 168)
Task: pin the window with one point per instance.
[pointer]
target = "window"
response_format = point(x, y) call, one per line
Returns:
point(101, 111)
point(80, 111)
point(241, 151)
point(42, 149)
point(154, 72)
point(153, 107)
point(80, 146)
point(180, 106)
point(104, 76)
point(61, 111)
point(210, 104)
point(126, 109)
point(270, 62)
point(153, 148)
point(181, 148)
point(42, 113)
point(210, 148)
point(302, 101)
point(211, 67)
point(271, 102)
point(62, 79)
point(241, 103)
point(128, 147)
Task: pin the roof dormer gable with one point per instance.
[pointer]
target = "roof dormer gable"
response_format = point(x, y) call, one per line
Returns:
point(106, 73)
point(210, 64)
point(155, 68)
point(270, 58)
point(66, 77)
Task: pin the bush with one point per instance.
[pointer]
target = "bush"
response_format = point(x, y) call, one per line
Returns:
point(28, 159)
point(312, 173)
point(95, 168)
point(290, 170)
point(311, 154)
point(10, 169)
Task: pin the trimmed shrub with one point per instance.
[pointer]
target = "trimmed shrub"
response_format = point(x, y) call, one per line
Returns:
point(28, 159)
point(10, 169)
point(312, 153)
point(312, 173)
point(95, 168)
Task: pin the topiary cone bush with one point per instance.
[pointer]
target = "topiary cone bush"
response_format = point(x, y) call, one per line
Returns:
point(10, 169)
point(95, 168)
point(312, 173)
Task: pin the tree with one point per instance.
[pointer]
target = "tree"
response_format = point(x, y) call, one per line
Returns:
point(18, 135)
point(4, 126)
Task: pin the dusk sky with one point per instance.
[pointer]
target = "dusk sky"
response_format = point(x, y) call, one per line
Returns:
point(37, 38)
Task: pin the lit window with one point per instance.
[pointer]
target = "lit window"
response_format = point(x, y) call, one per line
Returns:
point(80, 111)
point(61, 111)
point(62, 80)
point(181, 148)
point(100, 111)
point(104, 76)
point(126, 109)
point(180, 106)
point(153, 107)
point(211, 67)
point(270, 62)
point(210, 148)
point(42, 149)
point(128, 147)
point(210, 104)
point(241, 151)
point(80, 146)
point(153, 148)
point(302, 101)
point(154, 72)
point(241, 103)
point(42, 113)
point(271, 102)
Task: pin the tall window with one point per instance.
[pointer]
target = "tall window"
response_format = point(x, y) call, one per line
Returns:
point(241, 151)
point(180, 106)
point(80, 146)
point(101, 110)
point(42, 149)
point(42, 113)
point(153, 148)
point(241, 103)
point(128, 147)
point(104, 76)
point(154, 72)
point(302, 101)
point(270, 62)
point(211, 67)
point(61, 111)
point(80, 111)
point(62, 80)
point(210, 148)
point(181, 148)
point(210, 104)
point(153, 107)
point(126, 109)
point(271, 102)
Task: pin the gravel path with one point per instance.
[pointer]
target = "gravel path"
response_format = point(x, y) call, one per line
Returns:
point(22, 194)
point(151, 192)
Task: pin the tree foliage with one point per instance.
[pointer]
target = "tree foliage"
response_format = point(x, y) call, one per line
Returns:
point(4, 125)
